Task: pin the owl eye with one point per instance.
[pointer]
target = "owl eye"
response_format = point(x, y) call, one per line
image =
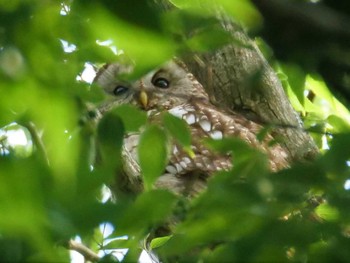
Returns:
point(119, 90)
point(161, 83)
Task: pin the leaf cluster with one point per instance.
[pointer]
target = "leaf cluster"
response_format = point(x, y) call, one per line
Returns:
point(53, 189)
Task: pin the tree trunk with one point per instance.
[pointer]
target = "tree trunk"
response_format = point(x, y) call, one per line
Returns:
point(238, 77)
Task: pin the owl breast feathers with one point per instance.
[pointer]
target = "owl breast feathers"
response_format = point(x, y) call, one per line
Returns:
point(171, 88)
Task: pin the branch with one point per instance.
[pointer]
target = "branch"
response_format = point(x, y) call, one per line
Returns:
point(86, 252)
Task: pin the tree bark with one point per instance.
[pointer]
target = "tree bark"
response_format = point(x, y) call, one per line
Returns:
point(238, 77)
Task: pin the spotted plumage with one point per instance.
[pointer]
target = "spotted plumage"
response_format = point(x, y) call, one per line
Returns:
point(171, 88)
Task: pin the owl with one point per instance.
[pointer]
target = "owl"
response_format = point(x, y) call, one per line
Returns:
point(171, 88)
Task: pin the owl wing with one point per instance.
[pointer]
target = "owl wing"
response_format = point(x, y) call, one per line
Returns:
point(188, 175)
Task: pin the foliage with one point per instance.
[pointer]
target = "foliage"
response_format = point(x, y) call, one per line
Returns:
point(52, 190)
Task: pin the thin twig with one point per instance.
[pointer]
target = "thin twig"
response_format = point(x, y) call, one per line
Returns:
point(36, 139)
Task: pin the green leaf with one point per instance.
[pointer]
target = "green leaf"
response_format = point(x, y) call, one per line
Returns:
point(296, 79)
point(183, 3)
point(159, 241)
point(241, 10)
point(132, 117)
point(110, 133)
point(152, 152)
point(327, 212)
point(117, 243)
point(245, 158)
point(128, 37)
point(150, 208)
point(324, 101)
point(340, 125)
point(178, 128)
point(335, 159)
point(209, 39)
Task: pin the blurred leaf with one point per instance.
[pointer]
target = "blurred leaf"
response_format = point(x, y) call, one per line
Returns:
point(244, 158)
point(128, 37)
point(293, 98)
point(117, 243)
point(109, 258)
point(336, 158)
point(178, 128)
point(339, 124)
point(150, 209)
point(110, 138)
point(296, 80)
point(184, 3)
point(25, 192)
point(142, 14)
point(325, 100)
point(327, 212)
point(319, 128)
point(132, 117)
point(243, 11)
point(209, 221)
point(292, 185)
point(240, 10)
point(246, 214)
point(58, 119)
point(208, 39)
point(153, 153)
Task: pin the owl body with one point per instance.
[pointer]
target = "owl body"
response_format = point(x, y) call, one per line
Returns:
point(172, 89)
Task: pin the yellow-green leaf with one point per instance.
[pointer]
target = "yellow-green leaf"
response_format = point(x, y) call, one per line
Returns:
point(327, 212)
point(159, 241)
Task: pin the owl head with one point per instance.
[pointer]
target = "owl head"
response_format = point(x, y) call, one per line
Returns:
point(164, 88)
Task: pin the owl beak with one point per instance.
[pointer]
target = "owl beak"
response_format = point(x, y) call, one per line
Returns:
point(143, 98)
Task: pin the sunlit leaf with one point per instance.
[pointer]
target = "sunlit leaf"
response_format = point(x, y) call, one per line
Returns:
point(293, 98)
point(325, 100)
point(296, 80)
point(243, 11)
point(159, 241)
point(327, 212)
point(339, 124)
